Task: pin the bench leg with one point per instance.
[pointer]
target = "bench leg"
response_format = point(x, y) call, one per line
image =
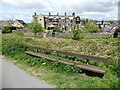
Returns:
point(87, 62)
point(37, 50)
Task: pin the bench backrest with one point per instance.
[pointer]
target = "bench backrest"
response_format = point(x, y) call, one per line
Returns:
point(96, 58)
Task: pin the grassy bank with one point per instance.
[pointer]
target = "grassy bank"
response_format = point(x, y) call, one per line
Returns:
point(58, 74)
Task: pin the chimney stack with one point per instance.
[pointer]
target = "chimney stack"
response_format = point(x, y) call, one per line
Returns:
point(102, 21)
point(49, 14)
point(73, 14)
point(65, 13)
point(35, 13)
point(57, 14)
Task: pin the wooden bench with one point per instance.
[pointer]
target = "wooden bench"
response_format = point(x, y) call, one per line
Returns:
point(70, 62)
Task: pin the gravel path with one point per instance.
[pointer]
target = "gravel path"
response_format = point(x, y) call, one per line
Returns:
point(14, 77)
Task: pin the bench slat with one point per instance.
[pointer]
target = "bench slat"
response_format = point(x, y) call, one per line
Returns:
point(69, 62)
point(96, 58)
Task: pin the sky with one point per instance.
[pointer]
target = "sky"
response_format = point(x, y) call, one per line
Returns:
point(92, 9)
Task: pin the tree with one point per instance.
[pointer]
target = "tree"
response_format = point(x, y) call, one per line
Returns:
point(36, 27)
point(91, 27)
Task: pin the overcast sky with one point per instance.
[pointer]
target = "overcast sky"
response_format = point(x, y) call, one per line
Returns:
point(92, 9)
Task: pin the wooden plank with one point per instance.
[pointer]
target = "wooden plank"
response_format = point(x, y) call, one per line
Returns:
point(40, 55)
point(69, 62)
point(96, 58)
point(66, 62)
point(91, 68)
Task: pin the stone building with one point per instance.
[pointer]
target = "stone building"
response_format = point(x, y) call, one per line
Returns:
point(19, 23)
point(16, 23)
point(64, 22)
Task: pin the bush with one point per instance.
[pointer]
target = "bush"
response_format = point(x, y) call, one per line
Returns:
point(77, 34)
point(116, 32)
point(56, 29)
point(8, 29)
point(12, 46)
point(90, 27)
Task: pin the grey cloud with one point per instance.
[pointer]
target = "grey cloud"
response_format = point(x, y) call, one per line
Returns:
point(24, 5)
point(54, 6)
point(94, 7)
point(81, 7)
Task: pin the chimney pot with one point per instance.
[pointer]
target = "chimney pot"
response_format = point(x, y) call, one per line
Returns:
point(73, 14)
point(65, 13)
point(49, 14)
point(35, 13)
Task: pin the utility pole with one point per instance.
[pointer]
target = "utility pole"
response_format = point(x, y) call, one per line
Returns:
point(65, 21)
point(73, 14)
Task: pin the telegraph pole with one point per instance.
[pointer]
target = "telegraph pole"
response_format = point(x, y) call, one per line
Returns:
point(65, 21)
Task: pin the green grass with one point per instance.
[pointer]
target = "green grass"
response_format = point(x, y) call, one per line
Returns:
point(58, 74)
point(63, 79)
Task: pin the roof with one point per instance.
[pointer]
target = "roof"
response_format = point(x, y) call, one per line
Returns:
point(22, 22)
point(56, 15)
point(6, 22)
point(99, 22)
point(111, 28)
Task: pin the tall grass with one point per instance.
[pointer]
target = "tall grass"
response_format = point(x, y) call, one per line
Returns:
point(61, 75)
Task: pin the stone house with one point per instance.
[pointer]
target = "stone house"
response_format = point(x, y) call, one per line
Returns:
point(64, 22)
point(19, 24)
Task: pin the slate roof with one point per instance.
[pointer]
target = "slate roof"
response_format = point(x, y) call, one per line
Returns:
point(6, 22)
point(111, 28)
point(22, 22)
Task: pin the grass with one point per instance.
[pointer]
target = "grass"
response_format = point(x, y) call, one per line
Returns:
point(63, 79)
point(58, 74)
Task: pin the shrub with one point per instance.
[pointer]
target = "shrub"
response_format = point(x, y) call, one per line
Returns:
point(77, 34)
point(12, 46)
point(56, 29)
point(90, 27)
point(7, 29)
point(116, 32)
